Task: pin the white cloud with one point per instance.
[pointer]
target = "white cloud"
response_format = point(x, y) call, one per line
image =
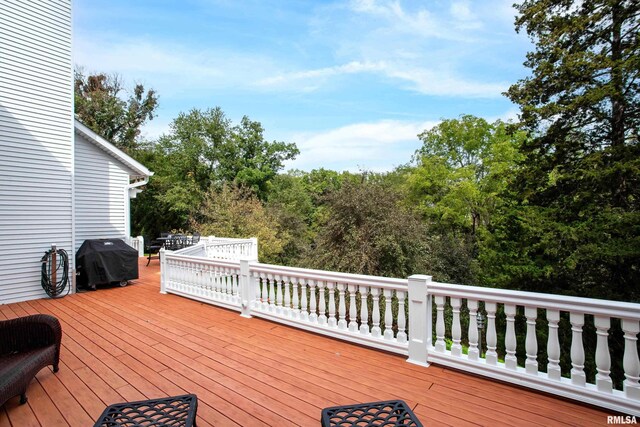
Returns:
point(443, 83)
point(422, 80)
point(421, 22)
point(376, 146)
point(171, 67)
point(311, 79)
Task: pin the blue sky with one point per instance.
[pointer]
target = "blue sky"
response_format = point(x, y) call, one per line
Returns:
point(352, 83)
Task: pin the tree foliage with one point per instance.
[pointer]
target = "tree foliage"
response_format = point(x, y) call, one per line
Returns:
point(237, 212)
point(572, 223)
point(203, 150)
point(367, 231)
point(100, 105)
point(461, 171)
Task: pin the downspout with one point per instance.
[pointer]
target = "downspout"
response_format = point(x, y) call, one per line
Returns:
point(127, 202)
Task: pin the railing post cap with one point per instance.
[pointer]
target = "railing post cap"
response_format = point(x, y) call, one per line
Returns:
point(421, 277)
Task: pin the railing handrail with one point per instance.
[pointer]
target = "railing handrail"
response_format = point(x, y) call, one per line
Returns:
point(189, 249)
point(235, 264)
point(332, 276)
point(593, 306)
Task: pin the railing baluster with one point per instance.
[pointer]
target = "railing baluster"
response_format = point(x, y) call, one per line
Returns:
point(364, 310)
point(510, 359)
point(456, 330)
point(287, 296)
point(296, 284)
point(603, 359)
point(218, 282)
point(553, 346)
point(473, 352)
point(225, 283)
point(402, 318)
point(236, 287)
point(353, 312)
point(272, 293)
point(278, 286)
point(304, 313)
point(207, 281)
point(332, 305)
point(630, 361)
point(531, 341)
point(228, 280)
point(342, 308)
point(578, 376)
point(388, 315)
point(256, 281)
point(492, 338)
point(265, 291)
point(322, 303)
point(375, 314)
point(313, 316)
point(440, 328)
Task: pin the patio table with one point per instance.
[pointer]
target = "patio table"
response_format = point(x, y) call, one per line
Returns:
point(388, 413)
point(163, 412)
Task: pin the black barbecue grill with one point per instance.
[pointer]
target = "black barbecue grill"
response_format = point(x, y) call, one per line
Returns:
point(105, 261)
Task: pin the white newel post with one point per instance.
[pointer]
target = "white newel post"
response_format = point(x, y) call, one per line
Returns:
point(140, 246)
point(247, 288)
point(419, 319)
point(163, 271)
point(254, 248)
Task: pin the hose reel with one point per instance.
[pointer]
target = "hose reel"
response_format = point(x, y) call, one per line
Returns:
point(55, 272)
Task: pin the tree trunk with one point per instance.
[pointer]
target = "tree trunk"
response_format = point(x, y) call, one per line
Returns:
point(617, 98)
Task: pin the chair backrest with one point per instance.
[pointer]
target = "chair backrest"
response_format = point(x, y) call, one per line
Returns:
point(195, 238)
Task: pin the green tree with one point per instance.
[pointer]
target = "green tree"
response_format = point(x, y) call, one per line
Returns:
point(460, 173)
point(368, 231)
point(207, 148)
point(456, 185)
point(203, 149)
point(237, 212)
point(291, 203)
point(573, 222)
point(99, 104)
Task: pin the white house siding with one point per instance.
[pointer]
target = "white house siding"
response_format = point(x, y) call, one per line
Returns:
point(100, 193)
point(36, 140)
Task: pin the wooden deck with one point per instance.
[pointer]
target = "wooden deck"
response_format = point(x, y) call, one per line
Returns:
point(133, 343)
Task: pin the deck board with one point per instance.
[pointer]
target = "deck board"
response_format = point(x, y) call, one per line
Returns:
point(134, 343)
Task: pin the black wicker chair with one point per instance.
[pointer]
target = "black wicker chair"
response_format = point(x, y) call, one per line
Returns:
point(27, 344)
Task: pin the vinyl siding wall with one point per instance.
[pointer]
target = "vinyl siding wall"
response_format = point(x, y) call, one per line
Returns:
point(36, 140)
point(100, 193)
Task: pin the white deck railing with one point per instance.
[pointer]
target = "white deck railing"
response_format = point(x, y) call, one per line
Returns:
point(543, 316)
point(429, 322)
point(136, 243)
point(233, 249)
